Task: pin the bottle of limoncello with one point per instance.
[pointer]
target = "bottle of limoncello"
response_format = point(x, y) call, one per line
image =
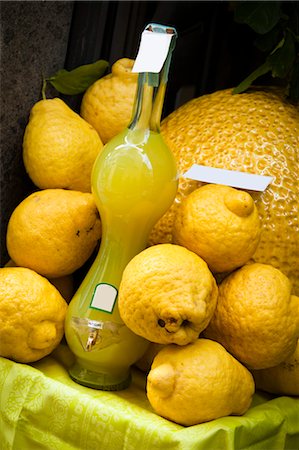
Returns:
point(134, 182)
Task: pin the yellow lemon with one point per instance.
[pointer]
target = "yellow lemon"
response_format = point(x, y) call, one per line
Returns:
point(167, 294)
point(219, 223)
point(108, 103)
point(197, 383)
point(53, 231)
point(282, 379)
point(256, 132)
point(32, 314)
point(256, 317)
point(65, 284)
point(59, 147)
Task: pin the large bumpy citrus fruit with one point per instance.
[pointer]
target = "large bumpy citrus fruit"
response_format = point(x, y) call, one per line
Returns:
point(198, 382)
point(219, 223)
point(167, 294)
point(256, 317)
point(59, 147)
point(256, 132)
point(107, 104)
point(32, 314)
point(53, 231)
point(282, 379)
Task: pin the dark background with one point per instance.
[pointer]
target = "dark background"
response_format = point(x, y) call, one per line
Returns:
point(40, 37)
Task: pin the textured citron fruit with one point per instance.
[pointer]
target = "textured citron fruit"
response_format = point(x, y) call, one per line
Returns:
point(167, 294)
point(282, 379)
point(107, 104)
point(59, 147)
point(53, 231)
point(255, 132)
point(256, 317)
point(219, 223)
point(198, 382)
point(32, 314)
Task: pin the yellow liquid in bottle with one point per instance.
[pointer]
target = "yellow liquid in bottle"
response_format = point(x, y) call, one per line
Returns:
point(134, 182)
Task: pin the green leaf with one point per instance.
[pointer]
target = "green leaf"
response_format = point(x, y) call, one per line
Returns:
point(282, 59)
point(260, 16)
point(79, 79)
point(261, 70)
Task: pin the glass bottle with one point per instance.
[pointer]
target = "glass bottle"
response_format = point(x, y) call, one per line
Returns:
point(134, 182)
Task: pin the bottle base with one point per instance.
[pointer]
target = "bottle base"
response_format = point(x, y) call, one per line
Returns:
point(99, 380)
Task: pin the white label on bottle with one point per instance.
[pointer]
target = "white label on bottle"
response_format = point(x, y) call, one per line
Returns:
point(231, 178)
point(104, 297)
point(152, 52)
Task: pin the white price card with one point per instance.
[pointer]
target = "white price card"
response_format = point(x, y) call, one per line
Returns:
point(152, 52)
point(233, 178)
point(104, 297)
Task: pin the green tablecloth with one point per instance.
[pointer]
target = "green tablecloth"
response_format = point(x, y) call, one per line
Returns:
point(42, 408)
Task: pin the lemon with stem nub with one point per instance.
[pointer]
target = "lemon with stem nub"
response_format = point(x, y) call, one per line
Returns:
point(59, 147)
point(198, 382)
point(32, 314)
point(219, 223)
point(108, 103)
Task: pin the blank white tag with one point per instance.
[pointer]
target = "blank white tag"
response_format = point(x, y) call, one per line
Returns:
point(152, 52)
point(104, 297)
point(231, 178)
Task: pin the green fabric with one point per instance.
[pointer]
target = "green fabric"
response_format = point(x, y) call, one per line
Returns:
point(42, 408)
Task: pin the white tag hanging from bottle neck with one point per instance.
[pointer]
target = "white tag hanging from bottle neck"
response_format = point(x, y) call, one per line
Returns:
point(153, 49)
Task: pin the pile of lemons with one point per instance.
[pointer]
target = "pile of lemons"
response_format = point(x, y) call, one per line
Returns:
point(213, 290)
point(55, 230)
point(210, 339)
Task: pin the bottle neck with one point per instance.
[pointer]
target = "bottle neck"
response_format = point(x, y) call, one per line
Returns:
point(149, 99)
